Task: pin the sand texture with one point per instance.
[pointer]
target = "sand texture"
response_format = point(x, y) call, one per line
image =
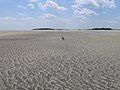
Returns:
point(38, 60)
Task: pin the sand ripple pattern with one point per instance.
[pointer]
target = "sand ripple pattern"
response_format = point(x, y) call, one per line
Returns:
point(43, 61)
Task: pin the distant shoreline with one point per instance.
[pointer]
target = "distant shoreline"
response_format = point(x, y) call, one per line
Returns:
point(40, 29)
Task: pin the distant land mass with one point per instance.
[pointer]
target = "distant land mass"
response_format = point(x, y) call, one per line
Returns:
point(102, 29)
point(98, 29)
point(49, 29)
point(75, 29)
point(44, 29)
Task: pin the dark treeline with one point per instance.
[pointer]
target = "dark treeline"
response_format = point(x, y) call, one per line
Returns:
point(78, 29)
point(101, 29)
point(48, 29)
point(97, 29)
point(44, 29)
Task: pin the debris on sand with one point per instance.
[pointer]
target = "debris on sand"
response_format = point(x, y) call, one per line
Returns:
point(63, 38)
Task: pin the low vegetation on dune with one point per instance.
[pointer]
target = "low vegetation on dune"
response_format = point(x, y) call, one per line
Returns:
point(44, 61)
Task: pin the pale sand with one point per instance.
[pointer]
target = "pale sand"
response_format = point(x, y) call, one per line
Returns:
point(41, 60)
point(9, 33)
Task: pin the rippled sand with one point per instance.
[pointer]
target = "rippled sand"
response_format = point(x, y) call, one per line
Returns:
point(41, 60)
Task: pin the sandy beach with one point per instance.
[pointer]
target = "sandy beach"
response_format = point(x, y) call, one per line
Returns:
point(41, 60)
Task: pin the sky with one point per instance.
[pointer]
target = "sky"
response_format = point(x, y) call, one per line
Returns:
point(70, 14)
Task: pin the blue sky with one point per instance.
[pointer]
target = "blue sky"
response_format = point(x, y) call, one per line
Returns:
point(29, 14)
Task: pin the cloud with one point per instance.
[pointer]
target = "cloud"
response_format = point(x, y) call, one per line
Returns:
point(22, 7)
point(49, 16)
point(85, 11)
point(21, 14)
point(27, 19)
point(96, 3)
point(31, 6)
point(87, 7)
point(108, 3)
point(117, 18)
point(51, 4)
point(87, 3)
point(7, 18)
point(33, 1)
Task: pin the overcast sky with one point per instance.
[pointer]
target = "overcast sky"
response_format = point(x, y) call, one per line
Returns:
point(29, 14)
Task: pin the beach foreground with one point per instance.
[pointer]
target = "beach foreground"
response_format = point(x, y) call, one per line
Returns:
point(41, 60)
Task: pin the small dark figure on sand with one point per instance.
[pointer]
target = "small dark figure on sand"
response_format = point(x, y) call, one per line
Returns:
point(63, 38)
